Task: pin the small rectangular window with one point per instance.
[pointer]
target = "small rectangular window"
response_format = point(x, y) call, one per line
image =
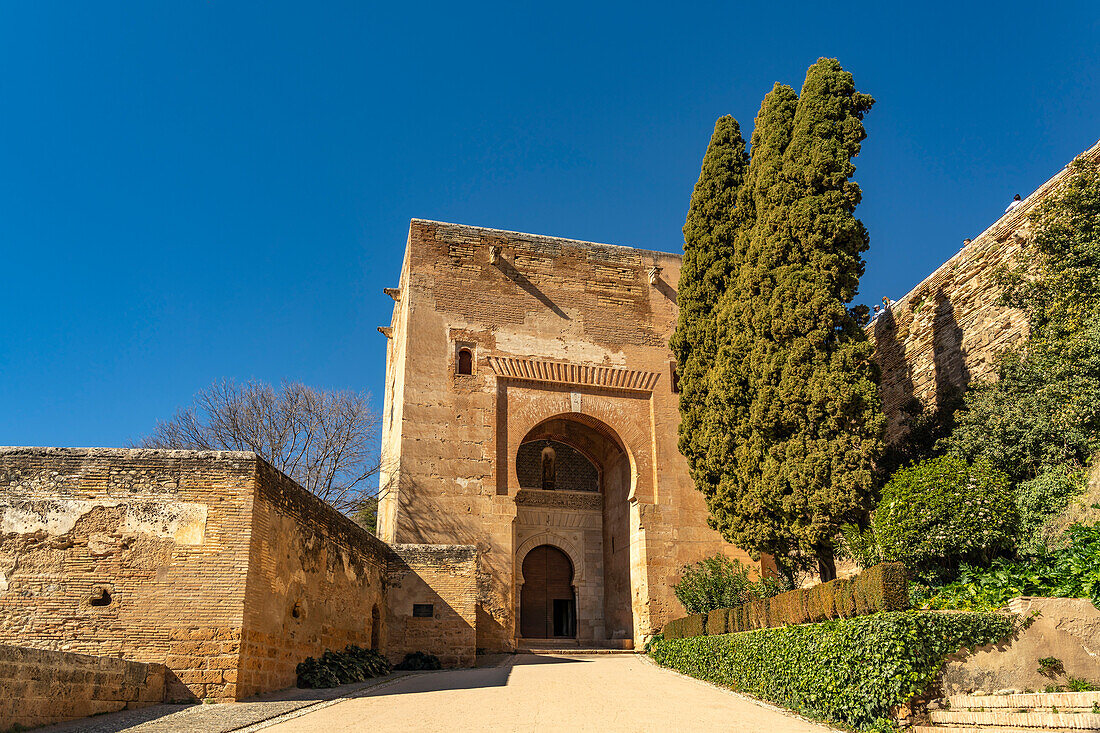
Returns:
point(674, 377)
point(423, 610)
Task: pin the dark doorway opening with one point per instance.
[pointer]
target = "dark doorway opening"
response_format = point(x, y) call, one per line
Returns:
point(565, 617)
point(548, 608)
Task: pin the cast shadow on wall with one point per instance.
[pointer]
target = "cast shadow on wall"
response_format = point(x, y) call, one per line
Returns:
point(522, 281)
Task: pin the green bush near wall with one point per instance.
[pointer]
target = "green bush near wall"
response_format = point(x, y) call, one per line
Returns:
point(848, 671)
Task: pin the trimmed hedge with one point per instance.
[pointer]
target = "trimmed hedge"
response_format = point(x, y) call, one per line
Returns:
point(883, 587)
point(717, 621)
point(686, 627)
point(847, 671)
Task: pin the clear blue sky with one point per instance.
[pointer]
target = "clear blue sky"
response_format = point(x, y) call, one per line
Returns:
point(193, 191)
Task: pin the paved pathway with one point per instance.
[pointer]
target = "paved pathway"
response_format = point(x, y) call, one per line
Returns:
point(540, 693)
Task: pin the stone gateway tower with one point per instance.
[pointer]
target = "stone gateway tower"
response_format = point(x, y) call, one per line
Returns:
point(530, 411)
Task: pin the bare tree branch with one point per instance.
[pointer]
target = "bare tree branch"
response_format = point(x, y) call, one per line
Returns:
point(326, 440)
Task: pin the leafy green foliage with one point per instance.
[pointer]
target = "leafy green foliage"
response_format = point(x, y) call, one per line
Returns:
point(944, 511)
point(1043, 497)
point(419, 661)
point(1043, 410)
point(859, 544)
point(1079, 684)
point(354, 664)
point(1072, 571)
point(709, 258)
point(794, 403)
point(719, 582)
point(1051, 666)
point(850, 671)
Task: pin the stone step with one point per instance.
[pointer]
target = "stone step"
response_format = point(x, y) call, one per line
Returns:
point(1036, 720)
point(989, 729)
point(574, 651)
point(1038, 701)
point(547, 643)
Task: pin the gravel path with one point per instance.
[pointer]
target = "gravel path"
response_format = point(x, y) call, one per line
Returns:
point(543, 693)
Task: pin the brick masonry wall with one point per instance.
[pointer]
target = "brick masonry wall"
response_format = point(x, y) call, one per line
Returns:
point(314, 578)
point(446, 577)
point(948, 330)
point(42, 687)
point(128, 553)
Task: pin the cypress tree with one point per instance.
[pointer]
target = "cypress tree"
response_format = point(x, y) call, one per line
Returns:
point(795, 386)
point(723, 471)
point(709, 258)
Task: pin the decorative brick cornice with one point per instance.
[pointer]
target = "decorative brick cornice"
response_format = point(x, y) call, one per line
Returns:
point(535, 370)
point(589, 500)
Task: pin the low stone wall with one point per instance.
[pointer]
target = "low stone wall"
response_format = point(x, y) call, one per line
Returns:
point(1067, 629)
point(443, 577)
point(42, 687)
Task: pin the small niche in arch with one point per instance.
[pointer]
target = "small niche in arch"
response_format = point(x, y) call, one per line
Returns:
point(464, 359)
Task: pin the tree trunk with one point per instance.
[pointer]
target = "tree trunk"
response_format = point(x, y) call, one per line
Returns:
point(826, 566)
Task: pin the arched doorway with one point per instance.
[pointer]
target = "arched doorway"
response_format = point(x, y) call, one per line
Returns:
point(547, 606)
point(575, 478)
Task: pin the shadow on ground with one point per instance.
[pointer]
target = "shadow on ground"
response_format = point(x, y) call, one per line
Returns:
point(493, 671)
point(468, 679)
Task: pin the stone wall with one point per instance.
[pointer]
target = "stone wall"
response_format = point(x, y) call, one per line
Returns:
point(949, 329)
point(131, 553)
point(42, 687)
point(314, 577)
point(1067, 629)
point(444, 577)
point(211, 563)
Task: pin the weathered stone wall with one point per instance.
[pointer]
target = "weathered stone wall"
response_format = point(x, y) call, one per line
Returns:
point(42, 687)
point(446, 578)
point(131, 553)
point(212, 563)
point(557, 327)
point(949, 329)
point(1067, 629)
point(314, 577)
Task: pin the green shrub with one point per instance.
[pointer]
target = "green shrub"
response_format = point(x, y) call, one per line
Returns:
point(354, 664)
point(717, 582)
point(850, 671)
point(1072, 571)
point(1042, 498)
point(713, 582)
point(859, 544)
point(419, 661)
point(944, 511)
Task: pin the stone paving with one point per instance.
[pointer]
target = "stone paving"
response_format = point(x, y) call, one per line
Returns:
point(525, 692)
point(548, 693)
